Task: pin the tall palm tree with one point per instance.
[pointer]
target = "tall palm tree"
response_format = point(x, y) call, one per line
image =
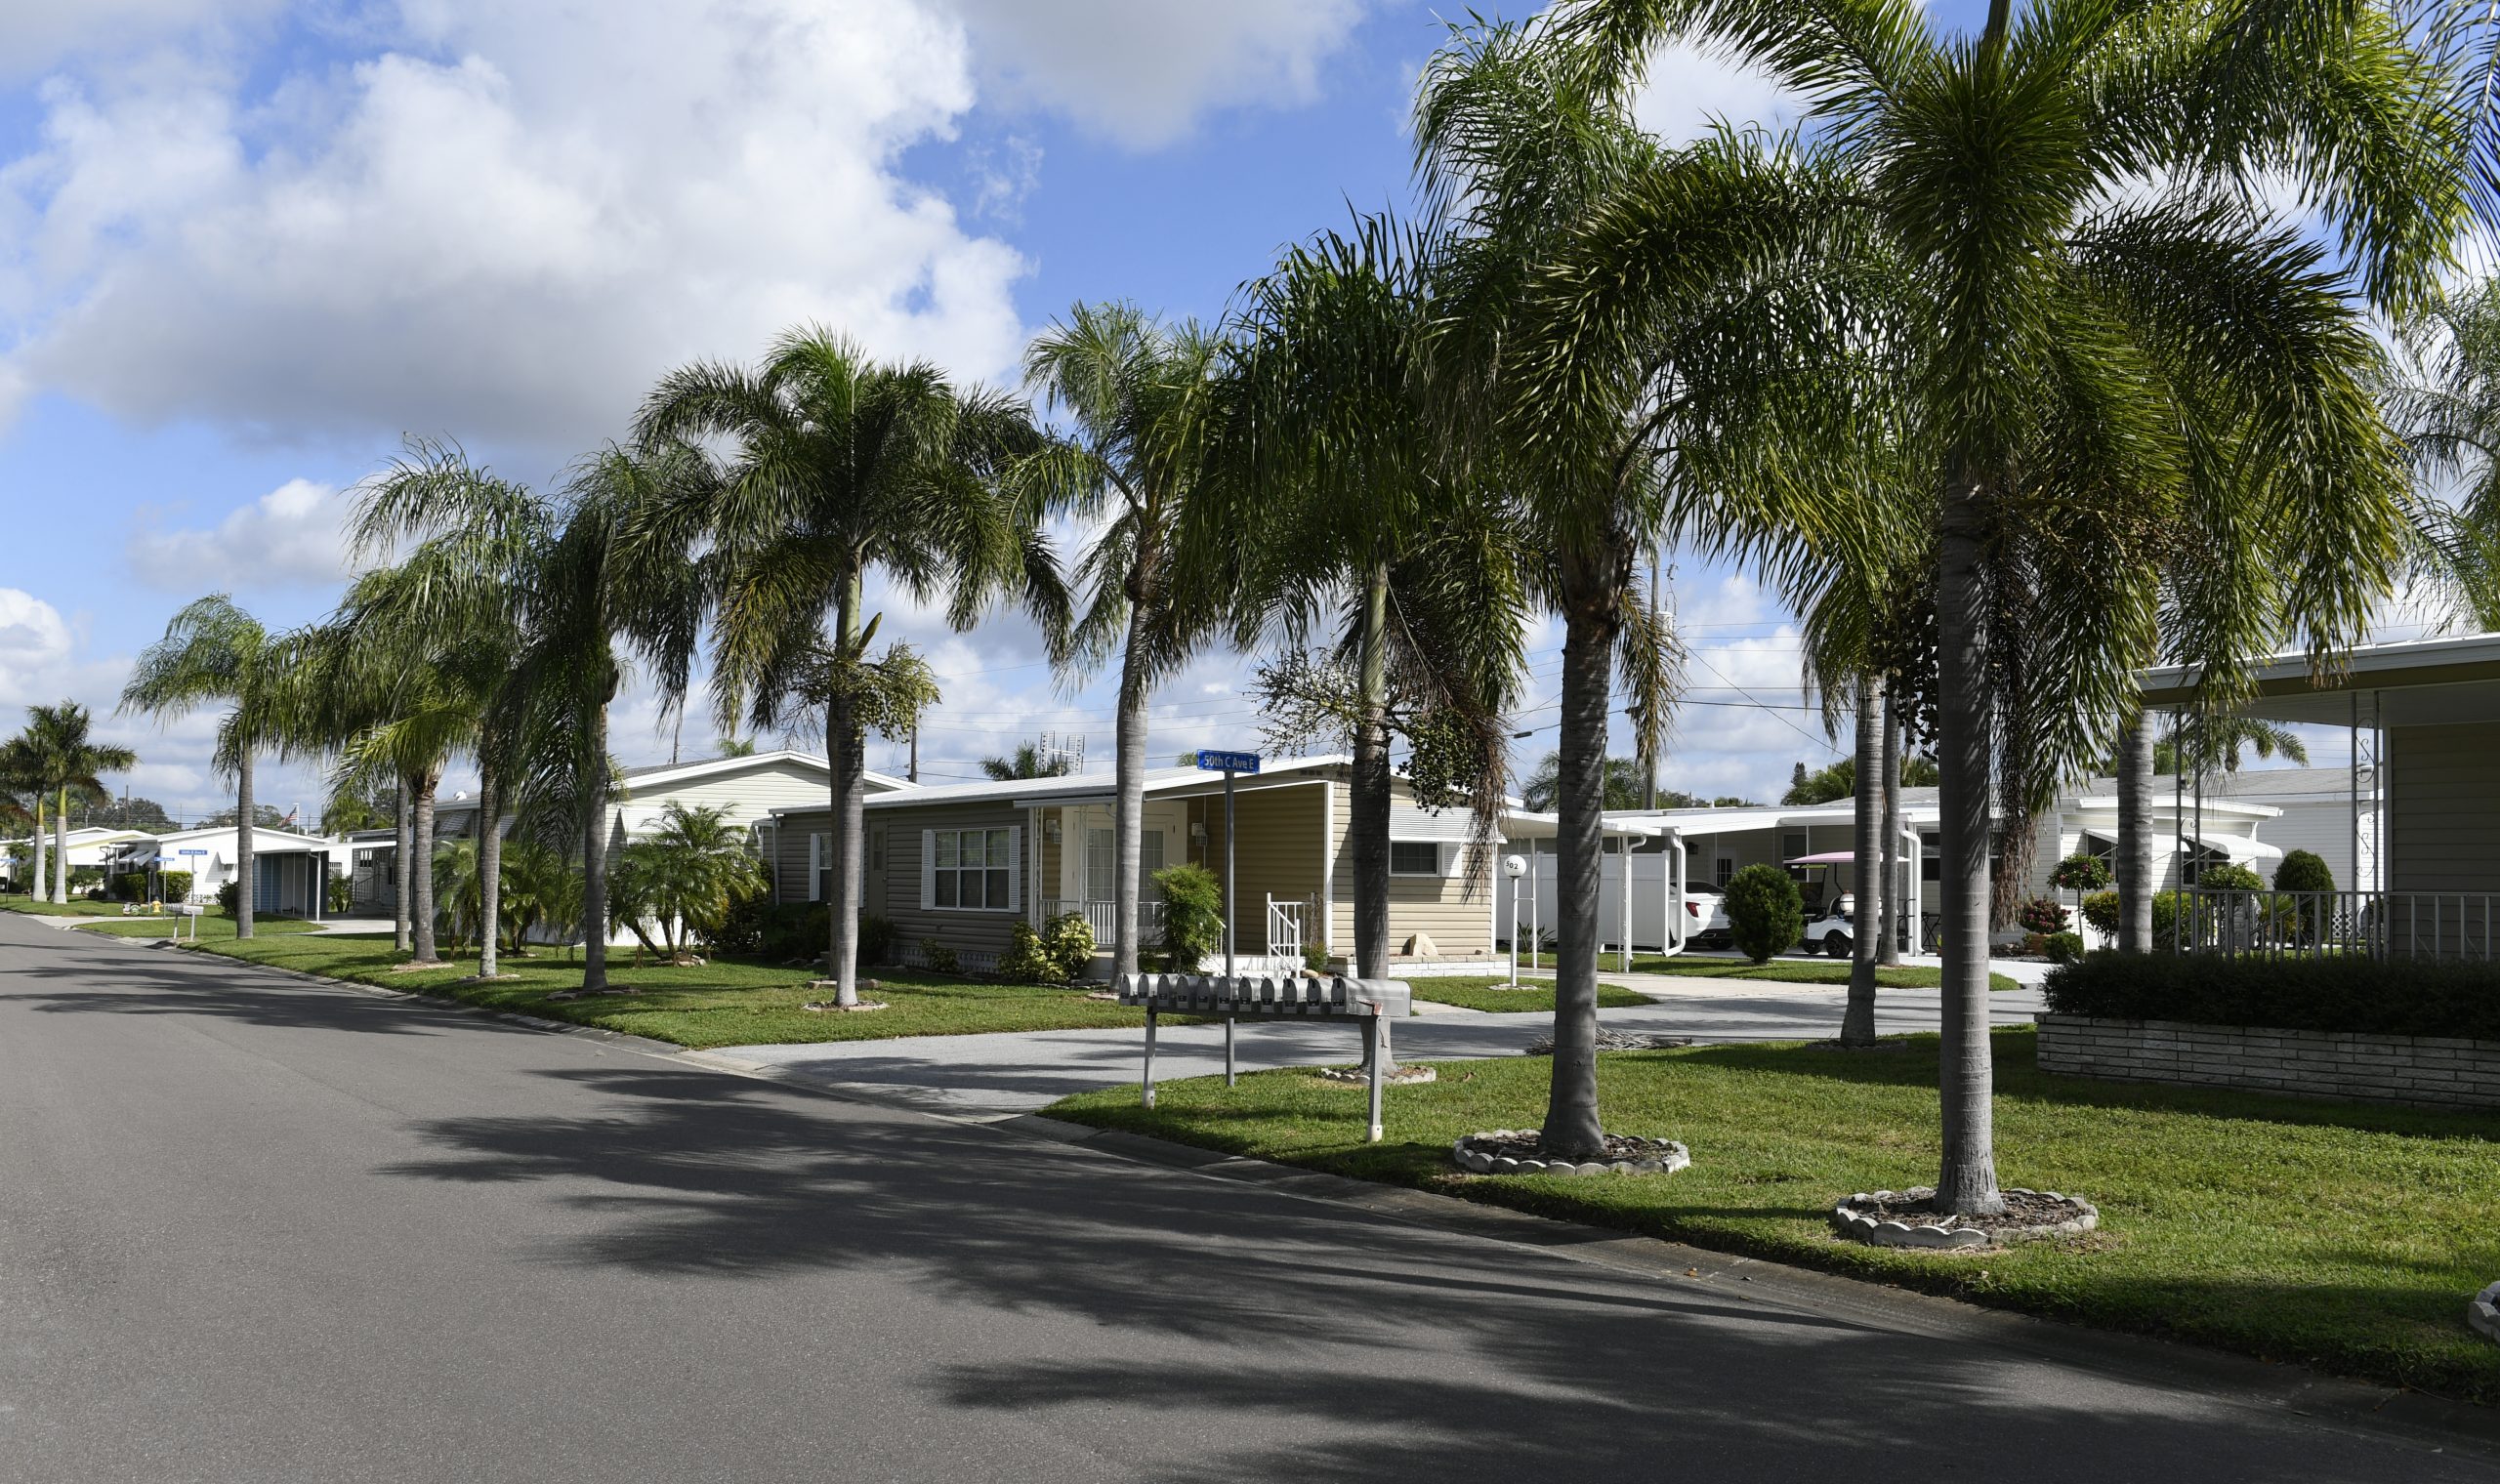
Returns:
point(58, 756)
point(558, 587)
point(1607, 445)
point(840, 467)
point(1345, 506)
point(213, 651)
point(17, 772)
point(1138, 397)
point(2070, 194)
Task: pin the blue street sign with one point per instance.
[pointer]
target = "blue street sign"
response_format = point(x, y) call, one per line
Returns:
point(188, 851)
point(1215, 761)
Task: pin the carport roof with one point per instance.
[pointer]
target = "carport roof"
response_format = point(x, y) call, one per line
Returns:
point(2416, 683)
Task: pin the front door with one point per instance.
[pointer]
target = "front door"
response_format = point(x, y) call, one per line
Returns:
point(872, 887)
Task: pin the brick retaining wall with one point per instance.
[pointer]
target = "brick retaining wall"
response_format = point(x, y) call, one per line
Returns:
point(2427, 1070)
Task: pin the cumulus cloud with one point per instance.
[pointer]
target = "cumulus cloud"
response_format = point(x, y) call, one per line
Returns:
point(502, 222)
point(1687, 90)
point(290, 537)
point(1142, 72)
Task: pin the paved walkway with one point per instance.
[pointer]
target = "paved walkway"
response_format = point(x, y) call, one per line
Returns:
point(1024, 1070)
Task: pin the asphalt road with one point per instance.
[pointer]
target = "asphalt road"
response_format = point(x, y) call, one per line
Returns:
point(254, 1229)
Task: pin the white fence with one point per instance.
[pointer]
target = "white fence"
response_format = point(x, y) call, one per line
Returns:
point(1656, 920)
point(2377, 925)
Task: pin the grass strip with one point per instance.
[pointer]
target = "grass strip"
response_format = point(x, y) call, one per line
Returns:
point(699, 1004)
point(2342, 1236)
point(1495, 994)
point(1800, 972)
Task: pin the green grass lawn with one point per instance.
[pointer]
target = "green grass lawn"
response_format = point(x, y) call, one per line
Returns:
point(717, 1004)
point(2344, 1236)
point(74, 907)
point(1798, 970)
point(213, 924)
point(1790, 969)
point(1495, 994)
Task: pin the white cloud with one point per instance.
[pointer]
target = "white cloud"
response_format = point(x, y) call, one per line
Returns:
point(289, 537)
point(36, 33)
point(33, 637)
point(504, 225)
point(1687, 90)
point(1142, 72)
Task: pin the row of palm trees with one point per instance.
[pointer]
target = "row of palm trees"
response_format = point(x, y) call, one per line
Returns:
point(1994, 369)
point(54, 760)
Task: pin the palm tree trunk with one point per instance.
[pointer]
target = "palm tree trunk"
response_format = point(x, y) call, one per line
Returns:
point(60, 849)
point(1895, 898)
point(1867, 934)
point(244, 804)
point(1571, 1126)
point(405, 841)
point(34, 874)
point(846, 753)
point(490, 866)
point(2134, 834)
point(1128, 807)
point(421, 871)
point(1369, 804)
point(1967, 1180)
point(594, 794)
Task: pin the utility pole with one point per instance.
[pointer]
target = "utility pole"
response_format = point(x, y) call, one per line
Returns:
point(913, 772)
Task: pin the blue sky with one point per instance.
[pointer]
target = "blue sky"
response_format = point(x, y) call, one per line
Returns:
point(245, 245)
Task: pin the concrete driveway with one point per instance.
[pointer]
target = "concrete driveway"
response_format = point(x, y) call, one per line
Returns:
point(1024, 1070)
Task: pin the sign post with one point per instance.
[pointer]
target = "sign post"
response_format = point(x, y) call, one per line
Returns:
point(177, 914)
point(1230, 765)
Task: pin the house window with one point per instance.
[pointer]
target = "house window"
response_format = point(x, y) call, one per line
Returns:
point(1414, 857)
point(974, 868)
point(1931, 856)
point(1102, 865)
point(1792, 844)
point(1723, 870)
point(877, 849)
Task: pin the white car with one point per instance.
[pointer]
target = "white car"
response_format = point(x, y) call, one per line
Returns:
point(1705, 917)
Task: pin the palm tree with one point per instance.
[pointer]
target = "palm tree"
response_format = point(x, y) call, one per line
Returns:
point(840, 466)
point(17, 772)
point(57, 755)
point(1544, 783)
point(2070, 197)
point(1138, 399)
point(1345, 504)
point(214, 651)
point(1027, 761)
point(559, 584)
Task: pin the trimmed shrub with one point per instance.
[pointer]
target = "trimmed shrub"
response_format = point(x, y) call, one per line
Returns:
point(1765, 912)
point(2041, 916)
point(178, 886)
point(1067, 944)
point(130, 885)
point(877, 936)
point(1192, 916)
point(2413, 998)
point(229, 897)
point(2100, 910)
point(2230, 878)
point(2303, 871)
point(938, 957)
point(2080, 872)
point(1025, 962)
point(2064, 947)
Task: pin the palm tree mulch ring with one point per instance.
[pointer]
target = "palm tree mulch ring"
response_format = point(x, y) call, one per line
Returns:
point(1910, 1218)
point(1515, 1151)
point(2482, 1312)
point(1395, 1077)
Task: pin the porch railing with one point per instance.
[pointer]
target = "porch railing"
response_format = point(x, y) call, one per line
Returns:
point(2379, 925)
point(1101, 917)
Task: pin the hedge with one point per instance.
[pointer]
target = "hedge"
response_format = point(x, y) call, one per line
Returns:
point(2356, 995)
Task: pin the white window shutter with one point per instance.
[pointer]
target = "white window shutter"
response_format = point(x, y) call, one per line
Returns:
point(1015, 868)
point(928, 869)
point(815, 867)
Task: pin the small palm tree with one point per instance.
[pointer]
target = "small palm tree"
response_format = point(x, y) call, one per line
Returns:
point(1027, 761)
point(682, 878)
point(57, 755)
point(841, 467)
point(214, 651)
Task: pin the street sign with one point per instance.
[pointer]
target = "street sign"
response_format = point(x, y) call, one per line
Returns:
point(1215, 761)
point(188, 850)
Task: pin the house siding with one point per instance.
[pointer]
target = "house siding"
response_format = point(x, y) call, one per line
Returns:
point(2442, 810)
point(1458, 919)
point(977, 932)
point(1274, 857)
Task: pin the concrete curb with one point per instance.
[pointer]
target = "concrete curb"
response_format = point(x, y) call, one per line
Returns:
point(2236, 1380)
